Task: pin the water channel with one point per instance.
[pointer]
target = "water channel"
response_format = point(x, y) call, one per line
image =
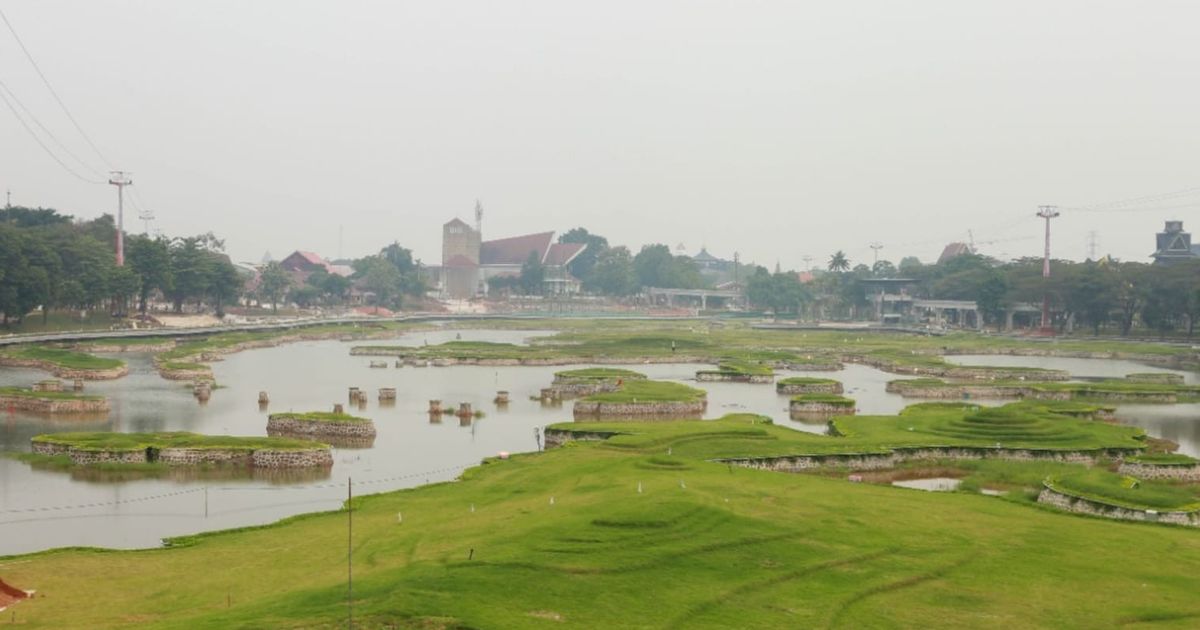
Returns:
point(41, 509)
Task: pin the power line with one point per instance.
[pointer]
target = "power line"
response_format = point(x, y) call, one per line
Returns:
point(45, 148)
point(1119, 205)
point(29, 114)
point(53, 93)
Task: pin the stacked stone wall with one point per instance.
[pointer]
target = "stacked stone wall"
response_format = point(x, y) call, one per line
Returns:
point(312, 458)
point(714, 376)
point(55, 405)
point(800, 406)
point(199, 456)
point(557, 437)
point(809, 388)
point(1157, 471)
point(662, 409)
point(63, 372)
point(1092, 507)
point(288, 425)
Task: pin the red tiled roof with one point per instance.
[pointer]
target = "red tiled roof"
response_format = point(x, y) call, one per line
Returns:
point(515, 250)
point(306, 257)
point(952, 250)
point(564, 253)
point(459, 261)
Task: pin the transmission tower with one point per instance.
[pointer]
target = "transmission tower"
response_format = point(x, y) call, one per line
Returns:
point(807, 262)
point(1091, 245)
point(120, 179)
point(146, 215)
point(1047, 213)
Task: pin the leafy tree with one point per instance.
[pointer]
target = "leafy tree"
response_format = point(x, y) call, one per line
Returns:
point(883, 269)
point(533, 274)
point(273, 284)
point(614, 272)
point(383, 279)
point(838, 261)
point(150, 259)
point(583, 264)
point(225, 284)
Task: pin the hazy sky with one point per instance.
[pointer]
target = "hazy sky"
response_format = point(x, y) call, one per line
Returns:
point(775, 129)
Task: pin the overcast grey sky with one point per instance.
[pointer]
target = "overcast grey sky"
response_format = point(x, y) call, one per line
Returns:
point(776, 129)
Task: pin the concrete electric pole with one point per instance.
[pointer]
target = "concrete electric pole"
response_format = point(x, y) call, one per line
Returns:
point(1047, 213)
point(120, 179)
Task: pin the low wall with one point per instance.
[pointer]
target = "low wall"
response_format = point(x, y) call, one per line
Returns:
point(55, 405)
point(799, 406)
point(657, 410)
point(1092, 507)
point(279, 424)
point(965, 372)
point(831, 366)
point(184, 375)
point(566, 388)
point(262, 458)
point(1158, 471)
point(557, 437)
point(880, 461)
point(965, 391)
point(714, 376)
point(198, 456)
point(811, 388)
point(64, 372)
point(312, 458)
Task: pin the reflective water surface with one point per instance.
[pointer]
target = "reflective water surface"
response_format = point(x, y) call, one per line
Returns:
point(41, 509)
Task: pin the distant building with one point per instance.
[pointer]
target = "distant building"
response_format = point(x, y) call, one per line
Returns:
point(954, 250)
point(1173, 244)
point(300, 265)
point(707, 262)
point(468, 261)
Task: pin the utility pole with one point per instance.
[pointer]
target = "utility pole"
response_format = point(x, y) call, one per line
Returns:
point(807, 262)
point(1047, 213)
point(1092, 245)
point(146, 216)
point(876, 246)
point(120, 179)
point(8, 200)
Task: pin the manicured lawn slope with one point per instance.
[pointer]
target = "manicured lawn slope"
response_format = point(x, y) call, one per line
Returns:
point(740, 548)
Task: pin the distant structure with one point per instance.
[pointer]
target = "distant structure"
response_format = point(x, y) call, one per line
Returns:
point(300, 265)
point(954, 250)
point(707, 262)
point(1173, 244)
point(468, 261)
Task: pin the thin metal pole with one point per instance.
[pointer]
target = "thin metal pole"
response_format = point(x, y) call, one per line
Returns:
point(349, 553)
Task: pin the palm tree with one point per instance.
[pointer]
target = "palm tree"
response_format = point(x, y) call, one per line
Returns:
point(838, 261)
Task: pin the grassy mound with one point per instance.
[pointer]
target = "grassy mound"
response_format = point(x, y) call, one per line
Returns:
point(639, 390)
point(322, 416)
point(824, 399)
point(29, 393)
point(741, 368)
point(63, 358)
point(806, 380)
point(598, 374)
point(1163, 459)
point(108, 441)
point(1101, 485)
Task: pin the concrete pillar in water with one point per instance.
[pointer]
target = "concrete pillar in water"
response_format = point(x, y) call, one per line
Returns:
point(387, 393)
point(501, 397)
point(435, 406)
point(78, 384)
point(338, 408)
point(263, 398)
point(464, 409)
point(353, 396)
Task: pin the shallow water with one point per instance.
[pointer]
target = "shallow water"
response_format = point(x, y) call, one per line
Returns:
point(39, 508)
point(931, 484)
point(1079, 368)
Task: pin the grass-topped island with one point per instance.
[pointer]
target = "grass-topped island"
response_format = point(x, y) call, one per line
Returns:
point(644, 399)
point(181, 449)
point(588, 381)
point(808, 385)
point(731, 371)
point(51, 402)
point(821, 404)
point(63, 363)
point(1116, 390)
point(340, 429)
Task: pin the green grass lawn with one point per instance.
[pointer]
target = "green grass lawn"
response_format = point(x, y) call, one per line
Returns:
point(1164, 459)
point(737, 367)
point(322, 416)
point(108, 441)
point(806, 380)
point(63, 358)
point(701, 546)
point(640, 390)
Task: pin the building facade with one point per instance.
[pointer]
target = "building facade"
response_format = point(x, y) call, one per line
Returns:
point(468, 261)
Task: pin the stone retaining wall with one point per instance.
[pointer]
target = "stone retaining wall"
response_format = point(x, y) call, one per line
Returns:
point(880, 461)
point(1158, 471)
point(55, 405)
point(1091, 507)
point(279, 424)
point(198, 456)
point(575, 389)
point(557, 437)
point(185, 375)
point(656, 410)
point(957, 391)
point(312, 458)
point(715, 376)
point(262, 458)
point(799, 406)
point(812, 388)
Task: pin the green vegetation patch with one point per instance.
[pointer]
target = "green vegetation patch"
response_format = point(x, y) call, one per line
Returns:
point(1163, 459)
point(741, 368)
point(29, 393)
point(1103, 486)
point(639, 390)
point(109, 441)
point(183, 366)
point(322, 416)
point(824, 399)
point(806, 380)
point(63, 358)
point(598, 374)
